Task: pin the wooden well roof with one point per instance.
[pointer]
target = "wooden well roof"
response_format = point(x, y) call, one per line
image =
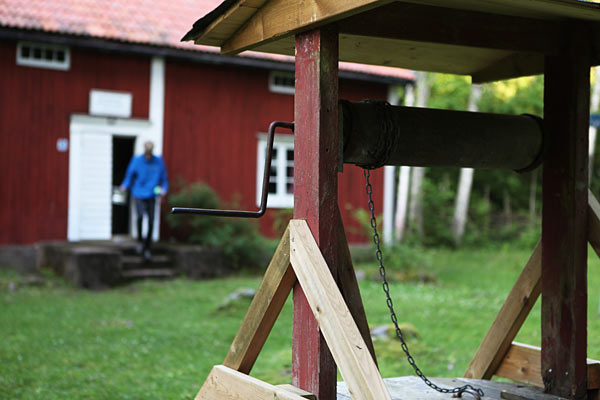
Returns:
point(490, 40)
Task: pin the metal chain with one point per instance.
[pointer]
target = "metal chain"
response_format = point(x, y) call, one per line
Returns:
point(475, 392)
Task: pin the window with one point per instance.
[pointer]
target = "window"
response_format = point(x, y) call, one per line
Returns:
point(282, 82)
point(281, 181)
point(43, 55)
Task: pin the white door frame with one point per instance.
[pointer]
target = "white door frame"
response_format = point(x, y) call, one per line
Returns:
point(141, 130)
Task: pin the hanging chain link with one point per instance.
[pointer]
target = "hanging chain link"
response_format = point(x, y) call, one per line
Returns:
point(457, 391)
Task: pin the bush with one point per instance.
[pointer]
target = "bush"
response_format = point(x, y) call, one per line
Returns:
point(237, 238)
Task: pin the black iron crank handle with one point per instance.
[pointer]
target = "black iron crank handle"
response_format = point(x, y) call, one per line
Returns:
point(265, 184)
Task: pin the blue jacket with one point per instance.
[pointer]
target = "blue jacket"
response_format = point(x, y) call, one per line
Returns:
point(144, 176)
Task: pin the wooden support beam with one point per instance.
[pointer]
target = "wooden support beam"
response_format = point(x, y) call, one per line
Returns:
point(315, 193)
point(515, 65)
point(302, 393)
point(564, 217)
point(280, 18)
point(404, 21)
point(266, 305)
point(523, 364)
point(509, 320)
point(224, 383)
point(350, 290)
point(329, 308)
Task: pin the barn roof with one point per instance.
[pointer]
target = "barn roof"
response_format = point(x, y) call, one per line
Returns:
point(489, 40)
point(140, 22)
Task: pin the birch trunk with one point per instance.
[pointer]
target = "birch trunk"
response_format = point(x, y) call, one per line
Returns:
point(403, 183)
point(389, 182)
point(465, 182)
point(415, 210)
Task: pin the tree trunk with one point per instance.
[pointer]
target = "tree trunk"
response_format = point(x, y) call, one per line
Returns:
point(487, 202)
point(402, 202)
point(389, 182)
point(463, 195)
point(532, 194)
point(461, 208)
point(415, 212)
point(404, 181)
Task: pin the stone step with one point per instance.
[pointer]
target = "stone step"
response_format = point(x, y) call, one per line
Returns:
point(157, 261)
point(142, 273)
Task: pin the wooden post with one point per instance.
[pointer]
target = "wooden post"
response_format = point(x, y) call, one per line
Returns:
point(315, 194)
point(564, 218)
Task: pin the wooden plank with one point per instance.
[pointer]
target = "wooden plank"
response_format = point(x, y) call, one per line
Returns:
point(564, 217)
point(264, 309)
point(302, 393)
point(594, 222)
point(315, 194)
point(281, 18)
point(523, 364)
point(515, 65)
point(404, 21)
point(509, 320)
point(350, 290)
point(329, 308)
point(224, 383)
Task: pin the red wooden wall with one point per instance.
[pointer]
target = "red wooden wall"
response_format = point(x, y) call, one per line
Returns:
point(212, 117)
point(35, 105)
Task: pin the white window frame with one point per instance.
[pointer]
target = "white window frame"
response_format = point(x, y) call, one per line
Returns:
point(278, 88)
point(63, 65)
point(283, 143)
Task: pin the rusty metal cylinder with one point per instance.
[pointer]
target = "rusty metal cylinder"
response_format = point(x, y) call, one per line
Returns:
point(375, 133)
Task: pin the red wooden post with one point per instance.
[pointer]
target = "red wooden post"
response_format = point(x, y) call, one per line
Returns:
point(564, 219)
point(315, 193)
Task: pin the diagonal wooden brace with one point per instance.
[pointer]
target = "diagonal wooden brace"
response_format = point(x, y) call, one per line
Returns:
point(266, 305)
point(519, 303)
point(343, 337)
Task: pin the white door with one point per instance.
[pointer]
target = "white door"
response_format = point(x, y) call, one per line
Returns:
point(90, 186)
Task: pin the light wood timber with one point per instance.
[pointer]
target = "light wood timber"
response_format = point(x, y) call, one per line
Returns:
point(594, 222)
point(229, 21)
point(523, 364)
point(302, 393)
point(224, 383)
point(515, 65)
point(266, 305)
point(350, 290)
point(335, 321)
point(564, 217)
point(280, 18)
point(509, 320)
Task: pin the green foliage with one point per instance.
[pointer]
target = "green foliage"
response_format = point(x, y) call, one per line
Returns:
point(281, 219)
point(238, 238)
point(500, 199)
point(449, 92)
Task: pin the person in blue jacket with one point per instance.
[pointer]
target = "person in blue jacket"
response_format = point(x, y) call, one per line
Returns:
point(146, 176)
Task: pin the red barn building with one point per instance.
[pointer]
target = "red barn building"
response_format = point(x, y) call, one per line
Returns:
point(85, 83)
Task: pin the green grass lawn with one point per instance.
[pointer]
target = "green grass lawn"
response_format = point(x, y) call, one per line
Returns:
point(159, 340)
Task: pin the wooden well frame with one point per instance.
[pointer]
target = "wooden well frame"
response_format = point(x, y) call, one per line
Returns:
point(488, 41)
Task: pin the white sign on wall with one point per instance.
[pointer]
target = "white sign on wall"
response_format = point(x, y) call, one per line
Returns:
point(110, 103)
